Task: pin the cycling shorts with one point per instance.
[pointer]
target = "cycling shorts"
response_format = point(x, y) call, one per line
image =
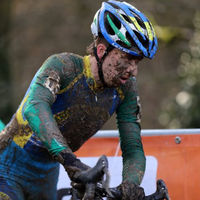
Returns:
point(24, 176)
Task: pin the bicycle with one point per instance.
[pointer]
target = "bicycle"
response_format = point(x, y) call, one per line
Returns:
point(95, 183)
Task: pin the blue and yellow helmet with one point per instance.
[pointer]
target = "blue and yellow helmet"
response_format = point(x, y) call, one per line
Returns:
point(125, 28)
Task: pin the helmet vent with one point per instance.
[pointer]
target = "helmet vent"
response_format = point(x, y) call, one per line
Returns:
point(127, 18)
point(145, 43)
point(138, 19)
point(115, 21)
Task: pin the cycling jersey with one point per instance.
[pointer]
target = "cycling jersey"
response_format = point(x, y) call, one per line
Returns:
point(64, 107)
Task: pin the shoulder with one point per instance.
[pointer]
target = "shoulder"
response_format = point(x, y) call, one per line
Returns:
point(64, 58)
point(72, 63)
point(69, 58)
point(66, 64)
point(69, 66)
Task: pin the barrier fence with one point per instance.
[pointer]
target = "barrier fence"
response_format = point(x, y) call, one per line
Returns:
point(172, 155)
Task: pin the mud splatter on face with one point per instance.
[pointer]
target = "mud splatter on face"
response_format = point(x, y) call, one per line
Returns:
point(118, 67)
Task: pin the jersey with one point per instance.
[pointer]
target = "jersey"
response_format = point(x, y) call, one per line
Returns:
point(64, 107)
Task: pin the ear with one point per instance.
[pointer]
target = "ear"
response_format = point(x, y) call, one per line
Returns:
point(101, 48)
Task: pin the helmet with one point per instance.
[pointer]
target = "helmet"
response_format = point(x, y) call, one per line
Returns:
point(125, 28)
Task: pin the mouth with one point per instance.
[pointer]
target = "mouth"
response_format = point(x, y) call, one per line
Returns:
point(123, 79)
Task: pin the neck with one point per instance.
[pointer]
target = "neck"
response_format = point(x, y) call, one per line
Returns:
point(94, 70)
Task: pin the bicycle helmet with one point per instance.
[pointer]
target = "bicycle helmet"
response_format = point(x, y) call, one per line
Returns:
point(125, 28)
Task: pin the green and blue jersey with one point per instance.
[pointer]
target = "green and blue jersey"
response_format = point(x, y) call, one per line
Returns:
point(64, 107)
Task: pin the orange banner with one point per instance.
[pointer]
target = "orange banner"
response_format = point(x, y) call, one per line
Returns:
point(178, 163)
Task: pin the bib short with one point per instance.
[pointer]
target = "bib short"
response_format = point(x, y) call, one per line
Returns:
point(24, 176)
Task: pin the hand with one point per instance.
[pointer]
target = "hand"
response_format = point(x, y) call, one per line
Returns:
point(129, 191)
point(89, 179)
point(71, 164)
point(74, 167)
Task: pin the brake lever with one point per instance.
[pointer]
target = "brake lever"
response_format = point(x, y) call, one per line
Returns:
point(161, 192)
point(91, 177)
point(162, 188)
point(106, 183)
point(111, 193)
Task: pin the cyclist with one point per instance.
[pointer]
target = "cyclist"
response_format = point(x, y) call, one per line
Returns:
point(70, 98)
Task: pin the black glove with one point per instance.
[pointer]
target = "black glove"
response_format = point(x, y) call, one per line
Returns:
point(72, 164)
point(129, 191)
point(90, 178)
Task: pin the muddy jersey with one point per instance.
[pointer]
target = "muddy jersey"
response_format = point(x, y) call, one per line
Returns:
point(64, 107)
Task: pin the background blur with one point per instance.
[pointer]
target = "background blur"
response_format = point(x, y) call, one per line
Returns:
point(169, 85)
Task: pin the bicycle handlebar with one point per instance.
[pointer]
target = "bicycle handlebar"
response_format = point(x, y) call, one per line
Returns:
point(92, 177)
point(96, 188)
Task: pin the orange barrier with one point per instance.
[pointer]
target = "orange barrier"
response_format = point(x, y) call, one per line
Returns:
point(178, 164)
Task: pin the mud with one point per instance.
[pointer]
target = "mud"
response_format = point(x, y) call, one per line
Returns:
point(131, 191)
point(83, 122)
point(118, 66)
point(85, 111)
point(53, 83)
point(4, 196)
point(12, 129)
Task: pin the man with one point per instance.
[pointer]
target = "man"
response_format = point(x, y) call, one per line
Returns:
point(70, 99)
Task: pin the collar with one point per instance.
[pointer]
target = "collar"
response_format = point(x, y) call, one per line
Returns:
point(89, 77)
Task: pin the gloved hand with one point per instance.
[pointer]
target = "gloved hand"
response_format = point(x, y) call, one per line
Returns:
point(89, 179)
point(129, 191)
point(71, 164)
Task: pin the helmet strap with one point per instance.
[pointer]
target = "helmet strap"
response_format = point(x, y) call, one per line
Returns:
point(100, 62)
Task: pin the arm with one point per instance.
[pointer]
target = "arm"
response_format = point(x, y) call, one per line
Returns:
point(128, 119)
point(41, 96)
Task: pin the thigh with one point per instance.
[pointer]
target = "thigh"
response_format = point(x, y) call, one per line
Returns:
point(10, 190)
point(44, 188)
point(37, 176)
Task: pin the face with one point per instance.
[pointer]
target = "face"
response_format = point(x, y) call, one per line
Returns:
point(118, 67)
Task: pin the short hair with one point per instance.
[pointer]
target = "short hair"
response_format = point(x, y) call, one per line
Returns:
point(97, 40)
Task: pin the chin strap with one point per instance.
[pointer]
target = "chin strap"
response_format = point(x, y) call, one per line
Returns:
point(100, 62)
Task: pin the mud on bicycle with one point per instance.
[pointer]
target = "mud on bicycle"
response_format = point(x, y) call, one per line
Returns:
point(94, 184)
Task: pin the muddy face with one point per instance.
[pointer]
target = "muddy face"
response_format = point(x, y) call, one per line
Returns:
point(118, 67)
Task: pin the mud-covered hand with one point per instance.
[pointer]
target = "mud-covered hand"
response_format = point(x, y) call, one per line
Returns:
point(72, 164)
point(128, 190)
point(92, 176)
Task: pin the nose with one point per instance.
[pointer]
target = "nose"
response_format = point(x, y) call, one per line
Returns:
point(132, 69)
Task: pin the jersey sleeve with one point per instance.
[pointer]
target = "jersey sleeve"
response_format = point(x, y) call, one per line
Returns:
point(41, 95)
point(128, 121)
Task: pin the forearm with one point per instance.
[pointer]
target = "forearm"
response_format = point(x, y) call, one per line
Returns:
point(47, 131)
point(40, 119)
point(134, 160)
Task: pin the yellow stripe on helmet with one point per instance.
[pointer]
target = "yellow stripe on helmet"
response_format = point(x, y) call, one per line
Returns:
point(149, 30)
point(154, 33)
point(136, 24)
